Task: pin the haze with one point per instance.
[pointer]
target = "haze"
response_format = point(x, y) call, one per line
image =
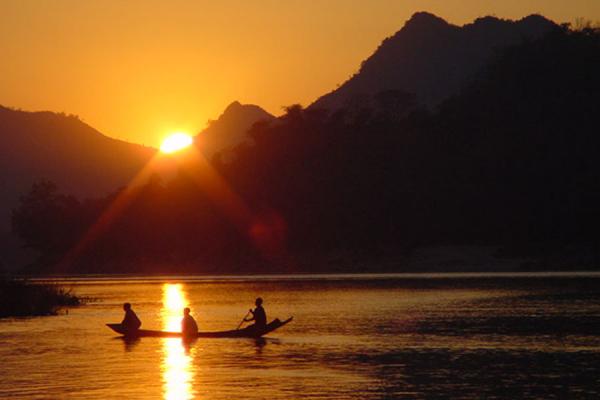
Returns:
point(139, 70)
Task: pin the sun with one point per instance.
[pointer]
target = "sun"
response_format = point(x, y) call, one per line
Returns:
point(175, 142)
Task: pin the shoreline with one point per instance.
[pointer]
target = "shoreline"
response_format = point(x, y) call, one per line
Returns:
point(27, 298)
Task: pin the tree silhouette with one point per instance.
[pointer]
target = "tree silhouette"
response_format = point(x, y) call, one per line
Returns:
point(511, 160)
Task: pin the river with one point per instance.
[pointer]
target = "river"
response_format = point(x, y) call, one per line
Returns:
point(394, 336)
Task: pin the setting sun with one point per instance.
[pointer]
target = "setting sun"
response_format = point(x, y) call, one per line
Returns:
point(176, 142)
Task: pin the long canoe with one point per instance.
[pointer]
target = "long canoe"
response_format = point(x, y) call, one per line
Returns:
point(249, 332)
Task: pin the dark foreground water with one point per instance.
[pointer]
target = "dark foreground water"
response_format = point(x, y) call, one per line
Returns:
point(353, 337)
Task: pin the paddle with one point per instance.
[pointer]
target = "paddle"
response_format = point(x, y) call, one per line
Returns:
point(243, 320)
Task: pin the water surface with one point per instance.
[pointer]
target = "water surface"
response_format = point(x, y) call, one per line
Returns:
point(353, 337)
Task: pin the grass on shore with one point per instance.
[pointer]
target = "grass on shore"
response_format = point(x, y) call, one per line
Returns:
point(20, 298)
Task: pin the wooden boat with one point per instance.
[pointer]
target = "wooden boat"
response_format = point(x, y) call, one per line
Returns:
point(249, 332)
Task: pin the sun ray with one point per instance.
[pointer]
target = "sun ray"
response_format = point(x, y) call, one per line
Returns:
point(267, 237)
point(109, 215)
point(266, 232)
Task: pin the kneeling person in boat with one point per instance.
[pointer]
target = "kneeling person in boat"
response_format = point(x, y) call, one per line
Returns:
point(189, 328)
point(131, 323)
point(258, 315)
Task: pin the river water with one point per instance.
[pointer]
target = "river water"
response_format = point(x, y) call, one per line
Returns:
point(353, 337)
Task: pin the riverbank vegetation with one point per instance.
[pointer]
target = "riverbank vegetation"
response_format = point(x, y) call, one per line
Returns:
point(21, 298)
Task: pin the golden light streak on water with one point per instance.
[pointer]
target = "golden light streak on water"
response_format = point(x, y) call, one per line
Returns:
point(177, 374)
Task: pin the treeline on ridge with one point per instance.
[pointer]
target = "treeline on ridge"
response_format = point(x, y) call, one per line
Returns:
point(511, 160)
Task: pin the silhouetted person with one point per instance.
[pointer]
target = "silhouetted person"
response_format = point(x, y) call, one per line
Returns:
point(130, 322)
point(189, 328)
point(258, 315)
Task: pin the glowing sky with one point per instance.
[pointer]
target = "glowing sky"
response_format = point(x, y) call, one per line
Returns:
point(140, 69)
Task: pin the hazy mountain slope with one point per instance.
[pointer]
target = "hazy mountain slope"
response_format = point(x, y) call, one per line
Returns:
point(230, 128)
point(432, 58)
point(78, 158)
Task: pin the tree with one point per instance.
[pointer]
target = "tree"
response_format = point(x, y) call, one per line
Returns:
point(45, 220)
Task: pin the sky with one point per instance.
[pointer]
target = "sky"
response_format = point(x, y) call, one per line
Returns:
point(138, 70)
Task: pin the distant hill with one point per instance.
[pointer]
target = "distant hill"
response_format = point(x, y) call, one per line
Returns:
point(431, 58)
point(230, 128)
point(63, 149)
point(503, 175)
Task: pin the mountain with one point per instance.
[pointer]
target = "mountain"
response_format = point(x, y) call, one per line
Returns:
point(230, 128)
point(431, 58)
point(65, 150)
point(508, 163)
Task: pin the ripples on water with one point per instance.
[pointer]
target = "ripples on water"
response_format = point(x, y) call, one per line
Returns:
point(352, 337)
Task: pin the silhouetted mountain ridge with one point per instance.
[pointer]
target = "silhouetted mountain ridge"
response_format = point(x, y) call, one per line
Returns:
point(432, 58)
point(508, 163)
point(61, 148)
point(230, 129)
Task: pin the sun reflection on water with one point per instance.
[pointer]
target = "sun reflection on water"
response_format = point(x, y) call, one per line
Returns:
point(177, 374)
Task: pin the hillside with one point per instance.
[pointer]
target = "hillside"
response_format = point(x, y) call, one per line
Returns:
point(431, 58)
point(63, 149)
point(507, 168)
point(230, 128)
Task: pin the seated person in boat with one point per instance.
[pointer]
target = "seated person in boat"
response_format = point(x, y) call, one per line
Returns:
point(258, 315)
point(189, 328)
point(130, 322)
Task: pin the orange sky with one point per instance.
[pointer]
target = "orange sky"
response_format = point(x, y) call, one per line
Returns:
point(140, 69)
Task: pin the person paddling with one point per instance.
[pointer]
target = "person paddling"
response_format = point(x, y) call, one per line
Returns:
point(189, 328)
point(258, 315)
point(131, 323)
